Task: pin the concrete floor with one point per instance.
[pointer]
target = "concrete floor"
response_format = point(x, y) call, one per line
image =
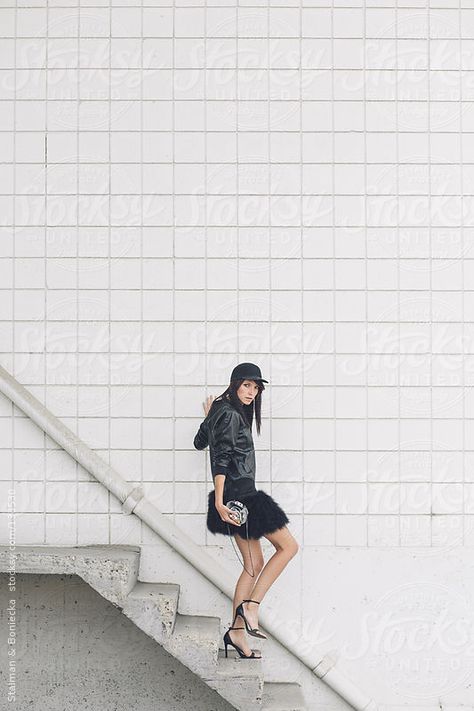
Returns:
point(75, 650)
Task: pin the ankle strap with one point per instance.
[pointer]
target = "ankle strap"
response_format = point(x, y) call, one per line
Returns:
point(257, 601)
point(236, 628)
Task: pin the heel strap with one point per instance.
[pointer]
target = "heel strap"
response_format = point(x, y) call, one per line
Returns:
point(257, 601)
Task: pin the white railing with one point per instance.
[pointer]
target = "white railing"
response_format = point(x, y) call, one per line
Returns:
point(134, 501)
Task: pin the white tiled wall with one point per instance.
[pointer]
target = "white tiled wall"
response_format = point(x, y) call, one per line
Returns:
point(184, 187)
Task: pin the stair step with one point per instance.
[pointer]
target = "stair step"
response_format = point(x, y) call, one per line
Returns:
point(195, 642)
point(239, 681)
point(111, 570)
point(281, 696)
point(152, 589)
point(153, 608)
point(233, 654)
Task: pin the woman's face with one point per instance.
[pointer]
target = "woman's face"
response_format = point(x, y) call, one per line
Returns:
point(247, 392)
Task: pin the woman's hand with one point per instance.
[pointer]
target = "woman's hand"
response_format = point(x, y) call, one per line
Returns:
point(207, 404)
point(226, 514)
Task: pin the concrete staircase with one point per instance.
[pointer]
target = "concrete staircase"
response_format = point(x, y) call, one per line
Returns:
point(153, 607)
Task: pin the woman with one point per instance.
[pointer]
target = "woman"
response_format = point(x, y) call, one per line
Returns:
point(227, 429)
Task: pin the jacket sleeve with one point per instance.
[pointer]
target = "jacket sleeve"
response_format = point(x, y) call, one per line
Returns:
point(225, 434)
point(201, 440)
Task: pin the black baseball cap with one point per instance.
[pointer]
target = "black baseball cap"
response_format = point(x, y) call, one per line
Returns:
point(247, 371)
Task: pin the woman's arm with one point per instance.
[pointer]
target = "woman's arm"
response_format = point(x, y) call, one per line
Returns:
point(225, 437)
point(219, 481)
point(201, 440)
point(225, 513)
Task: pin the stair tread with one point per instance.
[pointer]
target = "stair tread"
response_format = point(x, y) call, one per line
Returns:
point(282, 696)
point(103, 550)
point(233, 664)
point(206, 627)
point(100, 547)
point(154, 589)
point(232, 668)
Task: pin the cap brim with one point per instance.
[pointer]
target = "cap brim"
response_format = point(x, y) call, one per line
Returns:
point(252, 377)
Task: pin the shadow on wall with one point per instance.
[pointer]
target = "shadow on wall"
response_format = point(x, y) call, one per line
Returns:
point(75, 650)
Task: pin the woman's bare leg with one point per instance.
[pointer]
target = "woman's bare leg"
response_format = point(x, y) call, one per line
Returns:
point(245, 584)
point(286, 548)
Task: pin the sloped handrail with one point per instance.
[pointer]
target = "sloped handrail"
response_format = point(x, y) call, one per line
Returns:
point(134, 501)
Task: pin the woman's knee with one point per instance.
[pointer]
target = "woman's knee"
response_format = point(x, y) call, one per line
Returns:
point(284, 542)
point(292, 548)
point(290, 545)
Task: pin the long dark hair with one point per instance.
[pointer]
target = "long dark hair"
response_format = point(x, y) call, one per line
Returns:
point(247, 411)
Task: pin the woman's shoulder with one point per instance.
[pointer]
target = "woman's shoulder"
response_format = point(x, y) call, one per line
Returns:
point(222, 407)
point(224, 411)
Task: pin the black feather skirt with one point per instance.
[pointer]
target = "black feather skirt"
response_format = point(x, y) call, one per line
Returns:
point(265, 516)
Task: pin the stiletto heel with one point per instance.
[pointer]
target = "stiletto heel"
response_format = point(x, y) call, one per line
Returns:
point(227, 641)
point(239, 612)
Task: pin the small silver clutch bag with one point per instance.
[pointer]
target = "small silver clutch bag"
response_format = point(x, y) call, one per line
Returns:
point(239, 510)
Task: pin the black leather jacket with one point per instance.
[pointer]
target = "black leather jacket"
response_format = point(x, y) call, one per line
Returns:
point(231, 448)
